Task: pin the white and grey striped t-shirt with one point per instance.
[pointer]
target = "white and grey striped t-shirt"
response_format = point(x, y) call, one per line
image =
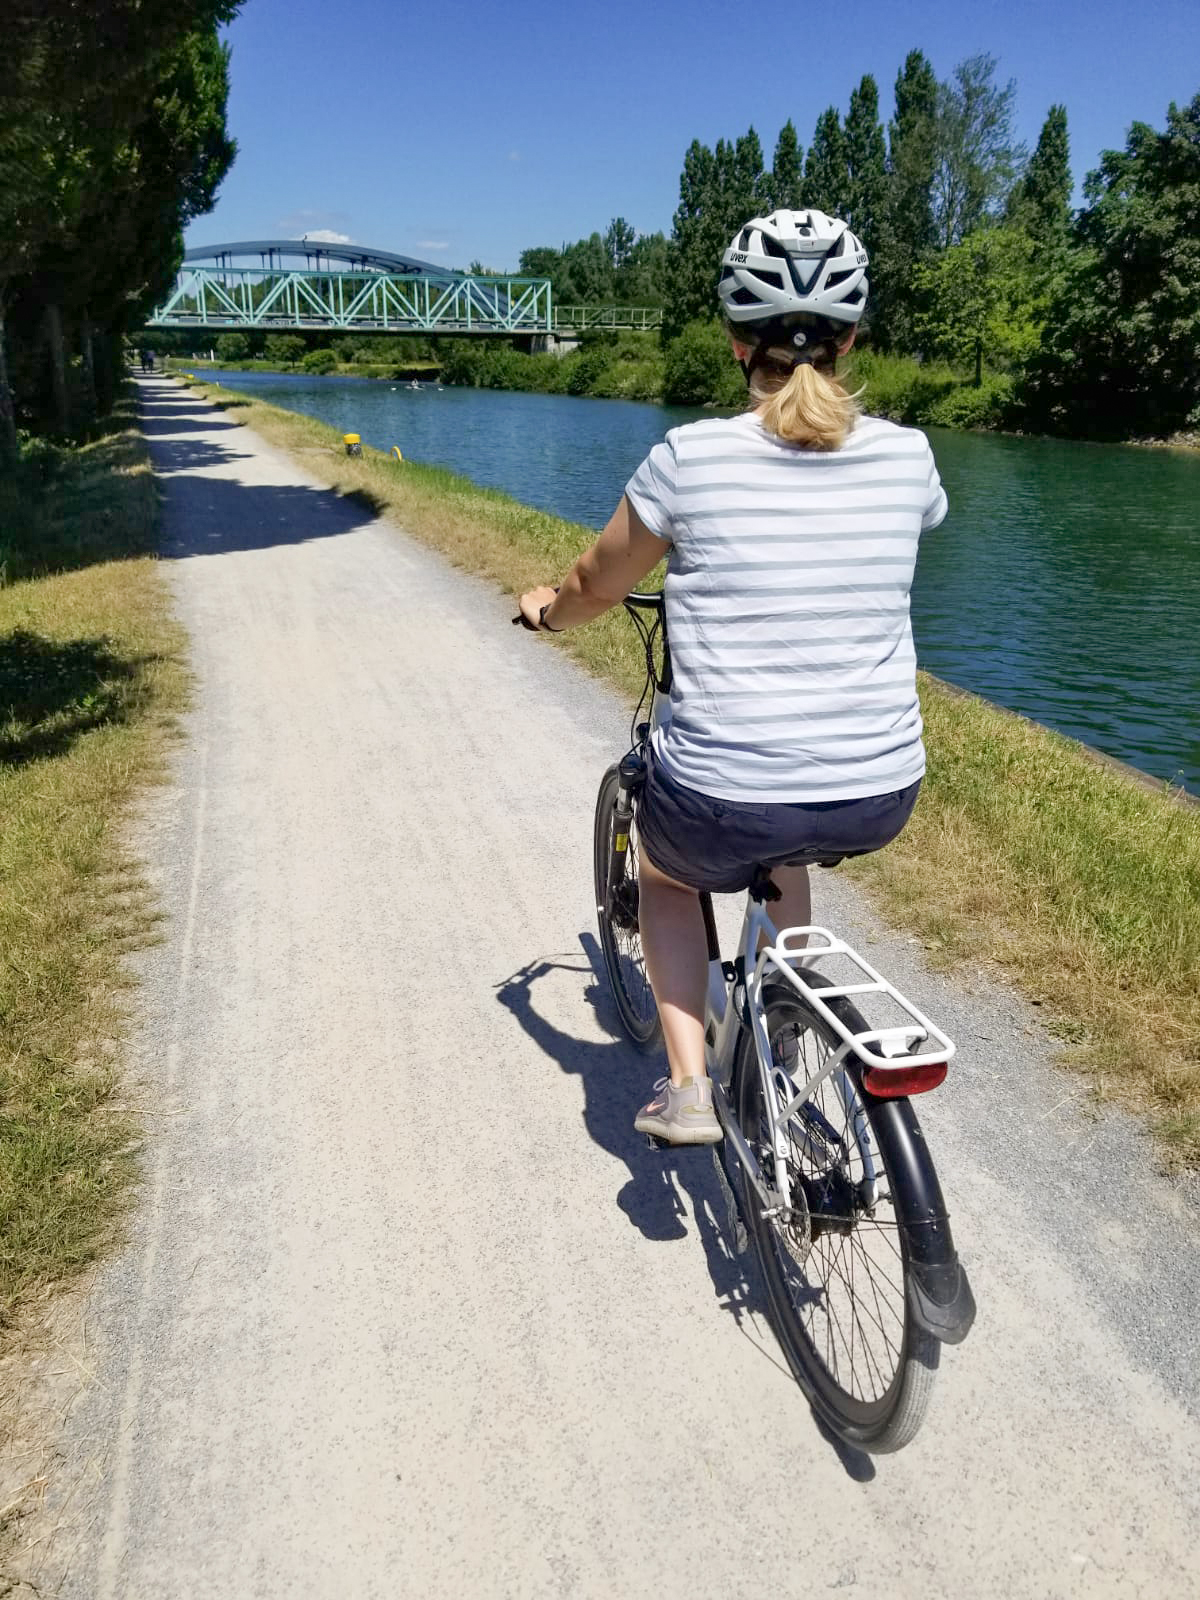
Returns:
point(787, 607)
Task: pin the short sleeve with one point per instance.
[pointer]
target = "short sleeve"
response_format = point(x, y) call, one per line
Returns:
point(936, 504)
point(651, 490)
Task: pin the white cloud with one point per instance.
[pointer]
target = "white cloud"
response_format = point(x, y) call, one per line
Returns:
point(327, 236)
point(309, 220)
point(433, 244)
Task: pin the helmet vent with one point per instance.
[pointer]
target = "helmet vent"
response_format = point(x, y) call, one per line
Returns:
point(775, 279)
point(745, 297)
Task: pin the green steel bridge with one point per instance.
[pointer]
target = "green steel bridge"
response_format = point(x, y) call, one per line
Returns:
point(368, 291)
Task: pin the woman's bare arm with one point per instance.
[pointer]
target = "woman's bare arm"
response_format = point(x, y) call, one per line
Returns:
point(618, 561)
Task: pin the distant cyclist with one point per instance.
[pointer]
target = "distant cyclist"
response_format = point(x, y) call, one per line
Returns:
point(790, 534)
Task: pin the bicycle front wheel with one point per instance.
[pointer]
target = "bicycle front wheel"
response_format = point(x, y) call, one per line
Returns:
point(617, 914)
point(837, 1272)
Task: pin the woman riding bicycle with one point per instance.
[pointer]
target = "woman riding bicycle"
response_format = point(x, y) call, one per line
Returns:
point(790, 534)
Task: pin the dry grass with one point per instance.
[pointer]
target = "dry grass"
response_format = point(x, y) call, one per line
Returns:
point(90, 665)
point(1080, 883)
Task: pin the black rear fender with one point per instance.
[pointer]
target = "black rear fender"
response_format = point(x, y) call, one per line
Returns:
point(939, 1295)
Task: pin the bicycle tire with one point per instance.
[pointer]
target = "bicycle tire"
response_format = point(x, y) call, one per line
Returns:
point(620, 939)
point(812, 1304)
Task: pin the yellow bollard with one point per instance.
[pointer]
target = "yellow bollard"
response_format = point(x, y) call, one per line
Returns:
point(396, 452)
point(353, 444)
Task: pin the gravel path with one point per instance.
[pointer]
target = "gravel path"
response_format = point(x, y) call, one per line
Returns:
point(409, 1309)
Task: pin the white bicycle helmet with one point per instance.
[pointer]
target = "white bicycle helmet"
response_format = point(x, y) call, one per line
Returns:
point(793, 264)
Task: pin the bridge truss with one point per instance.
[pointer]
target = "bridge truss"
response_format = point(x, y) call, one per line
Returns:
point(277, 299)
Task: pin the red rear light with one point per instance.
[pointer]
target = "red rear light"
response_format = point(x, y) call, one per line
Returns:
point(893, 1083)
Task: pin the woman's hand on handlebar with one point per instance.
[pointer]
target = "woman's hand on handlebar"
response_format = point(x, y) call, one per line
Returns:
point(531, 603)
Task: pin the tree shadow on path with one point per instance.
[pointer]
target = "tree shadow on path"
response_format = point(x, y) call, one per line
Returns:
point(210, 512)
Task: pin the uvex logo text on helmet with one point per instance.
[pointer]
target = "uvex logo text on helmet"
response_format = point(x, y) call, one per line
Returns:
point(738, 256)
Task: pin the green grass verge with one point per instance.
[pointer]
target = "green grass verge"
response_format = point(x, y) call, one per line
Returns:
point(90, 667)
point(1026, 852)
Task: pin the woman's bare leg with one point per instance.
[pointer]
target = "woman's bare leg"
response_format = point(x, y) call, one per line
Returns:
point(676, 951)
point(794, 910)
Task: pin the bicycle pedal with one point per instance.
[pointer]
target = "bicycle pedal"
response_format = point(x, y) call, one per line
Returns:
point(656, 1143)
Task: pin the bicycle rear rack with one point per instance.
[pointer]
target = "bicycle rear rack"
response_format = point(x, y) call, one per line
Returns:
point(885, 1049)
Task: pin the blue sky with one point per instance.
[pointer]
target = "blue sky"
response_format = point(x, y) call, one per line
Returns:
point(463, 130)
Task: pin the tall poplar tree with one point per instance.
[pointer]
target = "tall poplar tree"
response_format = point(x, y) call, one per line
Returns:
point(827, 170)
point(688, 296)
point(866, 159)
point(719, 190)
point(907, 235)
point(1042, 199)
point(785, 181)
point(76, 83)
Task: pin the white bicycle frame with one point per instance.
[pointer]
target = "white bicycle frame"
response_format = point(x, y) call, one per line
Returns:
point(768, 954)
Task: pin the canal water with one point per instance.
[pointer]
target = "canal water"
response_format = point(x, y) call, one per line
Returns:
point(1064, 584)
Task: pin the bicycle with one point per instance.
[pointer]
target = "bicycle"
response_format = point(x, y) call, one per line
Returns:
point(823, 1161)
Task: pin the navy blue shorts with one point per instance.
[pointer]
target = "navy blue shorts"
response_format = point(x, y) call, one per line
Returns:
point(716, 844)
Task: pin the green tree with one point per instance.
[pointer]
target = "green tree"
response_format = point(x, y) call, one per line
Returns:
point(619, 240)
point(866, 160)
point(540, 262)
point(587, 272)
point(785, 181)
point(977, 156)
point(320, 362)
point(92, 152)
point(284, 349)
point(642, 281)
point(827, 170)
point(907, 233)
point(233, 347)
point(982, 301)
point(1122, 349)
point(694, 241)
point(1041, 201)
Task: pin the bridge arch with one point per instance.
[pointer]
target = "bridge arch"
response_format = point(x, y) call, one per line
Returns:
point(316, 254)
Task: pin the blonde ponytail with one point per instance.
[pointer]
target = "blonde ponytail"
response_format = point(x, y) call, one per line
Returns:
point(809, 407)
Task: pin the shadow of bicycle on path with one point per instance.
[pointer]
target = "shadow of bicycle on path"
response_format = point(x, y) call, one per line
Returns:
point(661, 1184)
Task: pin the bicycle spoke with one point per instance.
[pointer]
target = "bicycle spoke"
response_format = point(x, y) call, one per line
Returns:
point(846, 1294)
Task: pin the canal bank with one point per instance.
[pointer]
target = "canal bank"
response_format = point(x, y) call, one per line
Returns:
point(1075, 882)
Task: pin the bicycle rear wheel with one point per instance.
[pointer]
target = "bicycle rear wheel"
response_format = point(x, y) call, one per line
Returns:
point(838, 1272)
point(617, 915)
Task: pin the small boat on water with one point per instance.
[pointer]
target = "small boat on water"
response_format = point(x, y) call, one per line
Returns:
point(414, 384)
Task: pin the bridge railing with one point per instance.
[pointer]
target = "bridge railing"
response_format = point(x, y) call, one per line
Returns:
point(579, 319)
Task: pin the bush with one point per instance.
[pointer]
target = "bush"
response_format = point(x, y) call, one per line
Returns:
point(320, 362)
point(699, 369)
point(899, 387)
point(989, 406)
